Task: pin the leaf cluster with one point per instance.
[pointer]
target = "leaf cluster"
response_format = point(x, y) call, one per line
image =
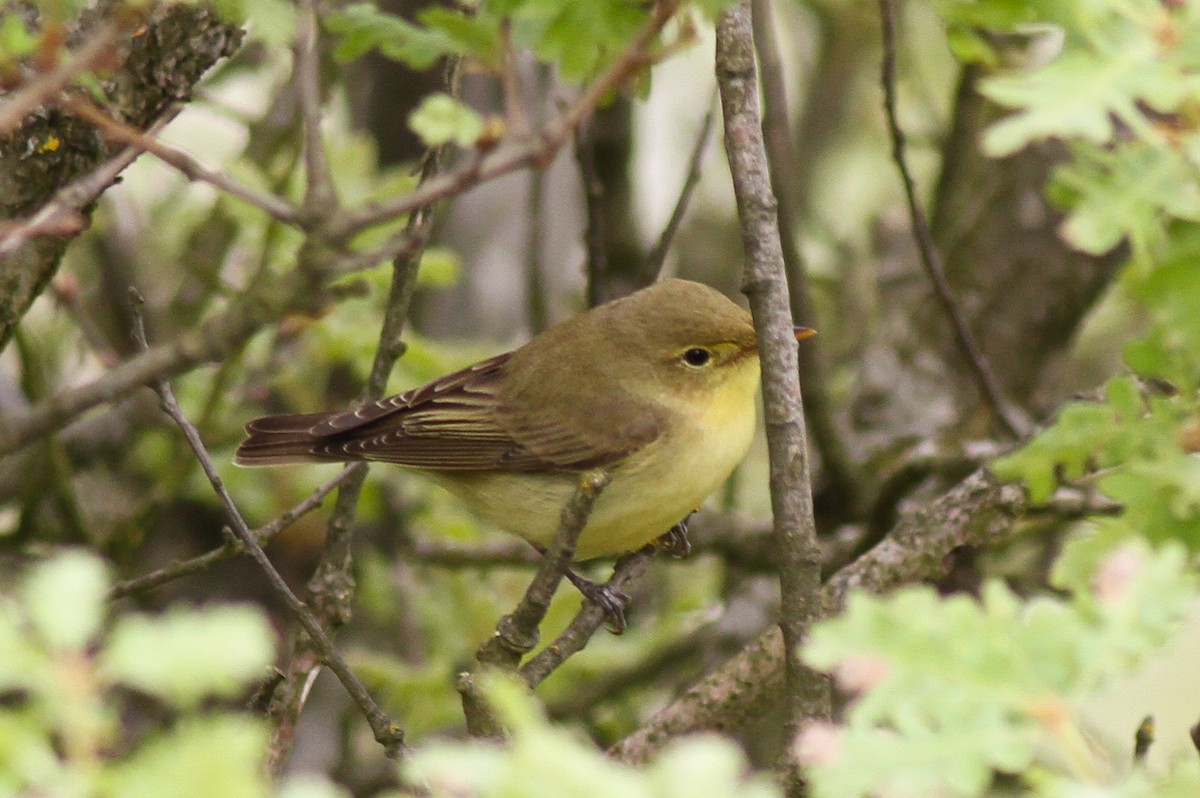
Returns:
point(954, 691)
point(957, 689)
point(69, 678)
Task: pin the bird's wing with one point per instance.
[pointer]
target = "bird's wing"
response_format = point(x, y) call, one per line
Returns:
point(454, 423)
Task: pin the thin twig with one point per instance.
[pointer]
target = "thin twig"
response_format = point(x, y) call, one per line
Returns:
point(232, 547)
point(332, 582)
point(519, 154)
point(16, 106)
point(658, 253)
point(386, 731)
point(968, 347)
point(517, 633)
point(765, 284)
point(980, 511)
point(586, 622)
point(188, 166)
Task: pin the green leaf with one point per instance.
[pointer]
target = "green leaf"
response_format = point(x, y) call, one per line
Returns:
point(475, 34)
point(16, 41)
point(441, 119)
point(200, 757)
point(953, 689)
point(185, 656)
point(362, 27)
point(1130, 190)
point(64, 599)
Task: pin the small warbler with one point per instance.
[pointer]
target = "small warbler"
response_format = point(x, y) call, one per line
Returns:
point(658, 388)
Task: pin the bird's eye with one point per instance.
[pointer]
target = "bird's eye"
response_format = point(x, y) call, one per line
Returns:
point(697, 357)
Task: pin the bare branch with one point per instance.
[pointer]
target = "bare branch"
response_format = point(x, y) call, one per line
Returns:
point(517, 633)
point(765, 284)
point(572, 640)
point(658, 253)
point(188, 166)
point(985, 381)
point(518, 154)
point(233, 547)
point(978, 511)
point(42, 88)
point(386, 731)
point(331, 586)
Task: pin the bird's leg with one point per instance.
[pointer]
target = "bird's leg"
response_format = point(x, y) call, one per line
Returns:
point(612, 601)
point(675, 541)
point(606, 597)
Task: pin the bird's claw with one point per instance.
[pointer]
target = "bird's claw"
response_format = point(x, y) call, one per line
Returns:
point(608, 598)
point(675, 541)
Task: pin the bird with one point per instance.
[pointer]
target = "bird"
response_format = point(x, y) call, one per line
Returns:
point(657, 388)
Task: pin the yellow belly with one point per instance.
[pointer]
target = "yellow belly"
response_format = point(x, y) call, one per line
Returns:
point(649, 492)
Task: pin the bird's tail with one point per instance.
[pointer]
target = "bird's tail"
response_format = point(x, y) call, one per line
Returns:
point(280, 440)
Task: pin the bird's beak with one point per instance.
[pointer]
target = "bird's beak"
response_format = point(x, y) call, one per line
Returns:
point(804, 332)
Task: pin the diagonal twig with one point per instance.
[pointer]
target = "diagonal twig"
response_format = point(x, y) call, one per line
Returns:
point(658, 253)
point(386, 731)
point(515, 156)
point(233, 547)
point(968, 347)
point(517, 633)
point(188, 166)
point(586, 622)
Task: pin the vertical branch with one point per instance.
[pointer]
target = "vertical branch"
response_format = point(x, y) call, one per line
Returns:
point(985, 381)
point(839, 475)
point(319, 195)
point(765, 284)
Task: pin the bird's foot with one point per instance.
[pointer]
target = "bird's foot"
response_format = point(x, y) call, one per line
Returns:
point(675, 541)
point(612, 601)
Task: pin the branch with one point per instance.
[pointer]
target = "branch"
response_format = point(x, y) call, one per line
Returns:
point(765, 284)
point(189, 167)
point(332, 584)
point(930, 259)
point(232, 547)
point(515, 155)
point(100, 45)
point(978, 511)
point(386, 731)
point(658, 253)
point(517, 633)
point(572, 640)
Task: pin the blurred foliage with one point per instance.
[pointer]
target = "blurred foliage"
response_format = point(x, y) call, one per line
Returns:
point(68, 677)
point(542, 760)
point(954, 691)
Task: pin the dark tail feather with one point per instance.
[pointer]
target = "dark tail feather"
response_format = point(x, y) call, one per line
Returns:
point(280, 440)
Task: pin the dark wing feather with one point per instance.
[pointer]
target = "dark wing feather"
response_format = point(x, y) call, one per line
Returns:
point(455, 423)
